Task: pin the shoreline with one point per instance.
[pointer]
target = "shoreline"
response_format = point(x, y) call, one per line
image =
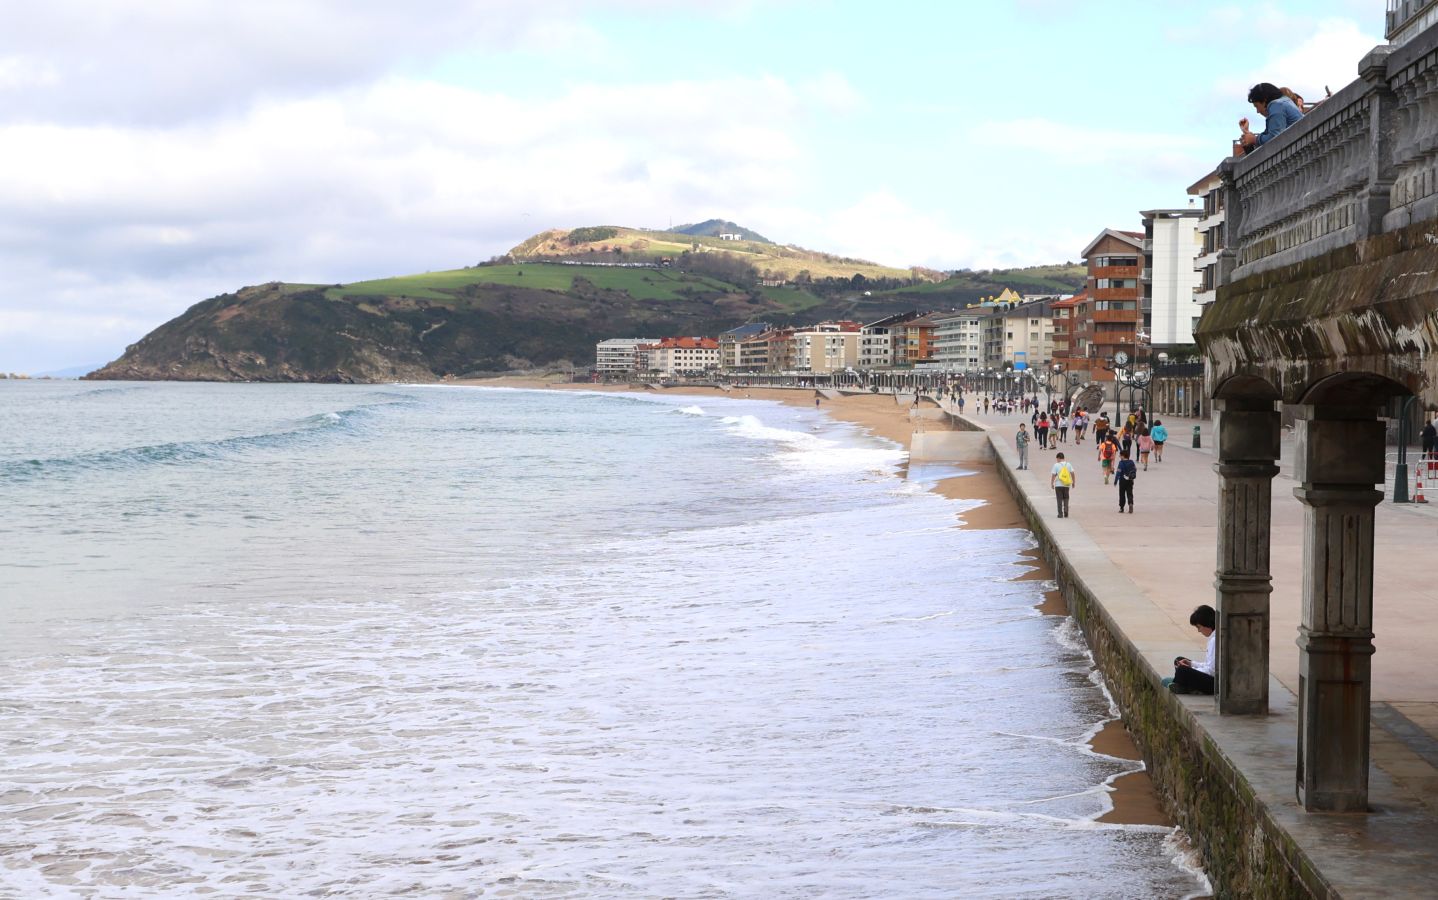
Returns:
point(1133, 797)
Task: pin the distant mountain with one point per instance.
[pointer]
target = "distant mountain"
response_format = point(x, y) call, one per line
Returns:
point(716, 227)
point(545, 305)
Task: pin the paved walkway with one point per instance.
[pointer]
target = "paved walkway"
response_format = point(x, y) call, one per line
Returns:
point(1162, 560)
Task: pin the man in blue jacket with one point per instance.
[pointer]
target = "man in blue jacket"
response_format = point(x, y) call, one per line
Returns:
point(1278, 111)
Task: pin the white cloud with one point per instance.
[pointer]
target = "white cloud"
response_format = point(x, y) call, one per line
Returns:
point(396, 177)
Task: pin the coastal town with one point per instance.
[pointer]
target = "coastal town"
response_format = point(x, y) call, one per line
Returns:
point(1301, 283)
point(1131, 325)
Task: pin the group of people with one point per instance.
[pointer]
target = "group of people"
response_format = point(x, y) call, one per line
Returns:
point(1116, 449)
point(1280, 108)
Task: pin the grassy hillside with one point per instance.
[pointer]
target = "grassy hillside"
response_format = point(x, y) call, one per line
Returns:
point(640, 244)
point(641, 284)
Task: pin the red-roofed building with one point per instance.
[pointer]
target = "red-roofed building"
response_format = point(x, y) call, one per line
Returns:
point(684, 356)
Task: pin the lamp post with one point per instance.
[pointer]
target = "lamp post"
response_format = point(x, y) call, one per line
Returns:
point(1130, 378)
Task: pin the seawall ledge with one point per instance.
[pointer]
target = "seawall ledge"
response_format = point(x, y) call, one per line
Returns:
point(1229, 781)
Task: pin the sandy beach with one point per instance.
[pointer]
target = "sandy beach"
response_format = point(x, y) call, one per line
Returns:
point(1134, 800)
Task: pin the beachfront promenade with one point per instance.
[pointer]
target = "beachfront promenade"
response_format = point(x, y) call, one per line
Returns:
point(1148, 570)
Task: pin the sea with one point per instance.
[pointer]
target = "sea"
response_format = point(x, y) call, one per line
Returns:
point(440, 641)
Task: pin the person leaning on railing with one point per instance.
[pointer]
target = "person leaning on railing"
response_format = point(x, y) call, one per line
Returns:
point(1278, 111)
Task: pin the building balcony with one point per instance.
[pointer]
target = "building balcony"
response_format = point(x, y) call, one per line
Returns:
point(1114, 294)
point(1129, 316)
point(1146, 276)
point(1117, 271)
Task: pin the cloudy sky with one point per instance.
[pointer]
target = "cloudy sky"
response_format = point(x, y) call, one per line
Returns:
point(156, 153)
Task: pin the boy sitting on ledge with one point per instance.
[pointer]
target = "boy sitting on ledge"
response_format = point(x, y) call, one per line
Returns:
point(1191, 677)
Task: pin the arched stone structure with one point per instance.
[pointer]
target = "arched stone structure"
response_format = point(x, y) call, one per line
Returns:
point(1339, 458)
point(1248, 448)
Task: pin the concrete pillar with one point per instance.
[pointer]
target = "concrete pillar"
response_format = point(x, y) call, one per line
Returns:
point(1339, 460)
point(1248, 438)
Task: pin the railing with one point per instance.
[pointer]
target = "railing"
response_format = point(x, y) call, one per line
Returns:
point(1363, 162)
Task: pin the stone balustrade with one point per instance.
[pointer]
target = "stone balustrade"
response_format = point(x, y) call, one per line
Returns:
point(1362, 163)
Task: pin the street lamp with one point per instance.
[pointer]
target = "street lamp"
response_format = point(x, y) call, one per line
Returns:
point(1129, 378)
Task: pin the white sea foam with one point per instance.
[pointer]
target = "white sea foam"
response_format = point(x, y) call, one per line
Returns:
point(690, 411)
point(418, 670)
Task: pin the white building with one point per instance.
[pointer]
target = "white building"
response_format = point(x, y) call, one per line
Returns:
point(616, 356)
point(684, 356)
point(959, 339)
point(876, 340)
point(1170, 306)
point(1210, 237)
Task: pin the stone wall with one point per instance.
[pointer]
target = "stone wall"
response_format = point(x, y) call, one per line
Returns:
point(1244, 852)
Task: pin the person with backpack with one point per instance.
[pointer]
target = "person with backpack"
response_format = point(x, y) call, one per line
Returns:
point(1126, 475)
point(1061, 479)
point(1107, 451)
point(1021, 443)
point(1100, 427)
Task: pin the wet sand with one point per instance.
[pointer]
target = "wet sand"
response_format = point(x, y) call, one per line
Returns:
point(1135, 802)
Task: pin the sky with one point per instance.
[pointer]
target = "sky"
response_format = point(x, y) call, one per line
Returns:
point(157, 153)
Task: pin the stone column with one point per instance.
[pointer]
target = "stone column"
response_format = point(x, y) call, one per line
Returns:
point(1248, 436)
point(1339, 460)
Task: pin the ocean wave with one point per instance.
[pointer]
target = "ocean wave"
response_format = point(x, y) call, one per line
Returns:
point(185, 452)
point(690, 411)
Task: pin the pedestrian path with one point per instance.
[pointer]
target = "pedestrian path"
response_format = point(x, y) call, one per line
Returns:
point(1165, 554)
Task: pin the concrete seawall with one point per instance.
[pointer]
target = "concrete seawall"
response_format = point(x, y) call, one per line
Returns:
point(1227, 780)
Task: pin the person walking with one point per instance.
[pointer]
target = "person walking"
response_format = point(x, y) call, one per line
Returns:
point(1063, 428)
point(1125, 436)
point(1430, 439)
point(1021, 443)
point(1126, 475)
point(1043, 430)
point(1159, 435)
point(1100, 427)
point(1145, 445)
point(1080, 425)
point(1107, 451)
point(1061, 479)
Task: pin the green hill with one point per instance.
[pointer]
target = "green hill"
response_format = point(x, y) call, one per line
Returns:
point(544, 309)
point(716, 227)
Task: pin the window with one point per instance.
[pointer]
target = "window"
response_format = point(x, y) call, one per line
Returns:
point(1109, 284)
point(1115, 261)
point(1113, 304)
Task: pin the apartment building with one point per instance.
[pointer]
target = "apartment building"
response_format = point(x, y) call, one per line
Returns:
point(771, 351)
point(1109, 318)
point(1062, 312)
point(1211, 236)
point(1021, 335)
point(914, 341)
point(827, 347)
point(877, 340)
point(1171, 243)
point(617, 356)
point(684, 356)
point(730, 341)
point(959, 338)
